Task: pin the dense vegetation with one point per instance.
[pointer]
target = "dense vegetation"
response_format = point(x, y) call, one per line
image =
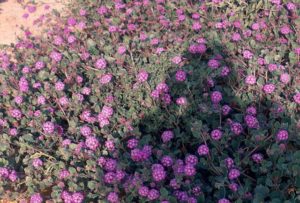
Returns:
point(155, 101)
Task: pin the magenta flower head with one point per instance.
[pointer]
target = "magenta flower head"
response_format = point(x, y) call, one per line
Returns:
point(216, 97)
point(193, 48)
point(121, 50)
point(110, 145)
point(285, 30)
point(71, 39)
point(296, 98)
point(191, 159)
point(251, 110)
point(113, 197)
point(162, 87)
point(216, 134)
point(181, 101)
point(226, 110)
point(23, 84)
point(155, 94)
point(82, 12)
point(56, 56)
point(297, 51)
point(85, 131)
point(166, 99)
point(282, 135)
point(13, 176)
point(189, 170)
point(102, 10)
point(269, 88)
point(247, 54)
point(225, 71)
point(180, 75)
point(105, 79)
point(36, 198)
point(167, 136)
point(167, 161)
point(66, 196)
point(4, 172)
point(223, 200)
point(48, 127)
point(250, 80)
point(142, 76)
point(177, 60)
point(71, 21)
point(16, 113)
point(143, 191)
point(236, 37)
point(92, 143)
point(233, 187)
point(37, 163)
point(64, 174)
point(196, 26)
point(153, 194)
point(257, 157)
point(59, 86)
point(132, 143)
point(13, 131)
point(101, 63)
point(158, 172)
point(233, 174)
point(203, 150)
point(285, 78)
point(251, 121)
point(236, 128)
point(39, 65)
point(213, 63)
point(77, 197)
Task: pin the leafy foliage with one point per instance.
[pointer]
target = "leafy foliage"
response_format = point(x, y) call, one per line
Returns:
point(155, 101)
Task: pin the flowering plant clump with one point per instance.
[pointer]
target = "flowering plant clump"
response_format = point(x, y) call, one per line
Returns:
point(155, 101)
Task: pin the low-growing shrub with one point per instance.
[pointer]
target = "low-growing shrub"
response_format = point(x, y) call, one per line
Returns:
point(155, 101)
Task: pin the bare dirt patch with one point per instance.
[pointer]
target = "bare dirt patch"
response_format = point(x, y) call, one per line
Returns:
point(30, 15)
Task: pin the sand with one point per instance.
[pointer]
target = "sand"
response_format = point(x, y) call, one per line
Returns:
point(15, 14)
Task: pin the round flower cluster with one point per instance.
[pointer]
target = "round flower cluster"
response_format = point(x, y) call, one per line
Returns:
point(258, 158)
point(216, 97)
point(216, 134)
point(36, 198)
point(250, 80)
point(158, 172)
point(180, 75)
point(142, 76)
point(282, 135)
point(8, 174)
point(167, 135)
point(269, 88)
point(92, 143)
point(37, 163)
point(76, 197)
point(140, 155)
point(48, 127)
point(233, 174)
point(203, 150)
point(85, 131)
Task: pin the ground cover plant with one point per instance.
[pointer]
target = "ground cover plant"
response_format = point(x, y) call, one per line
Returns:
point(155, 101)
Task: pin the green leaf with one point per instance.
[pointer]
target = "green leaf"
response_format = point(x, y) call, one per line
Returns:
point(91, 185)
point(164, 192)
point(90, 43)
point(72, 170)
point(196, 128)
point(261, 192)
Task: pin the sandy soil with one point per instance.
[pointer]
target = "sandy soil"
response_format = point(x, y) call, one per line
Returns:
point(15, 14)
